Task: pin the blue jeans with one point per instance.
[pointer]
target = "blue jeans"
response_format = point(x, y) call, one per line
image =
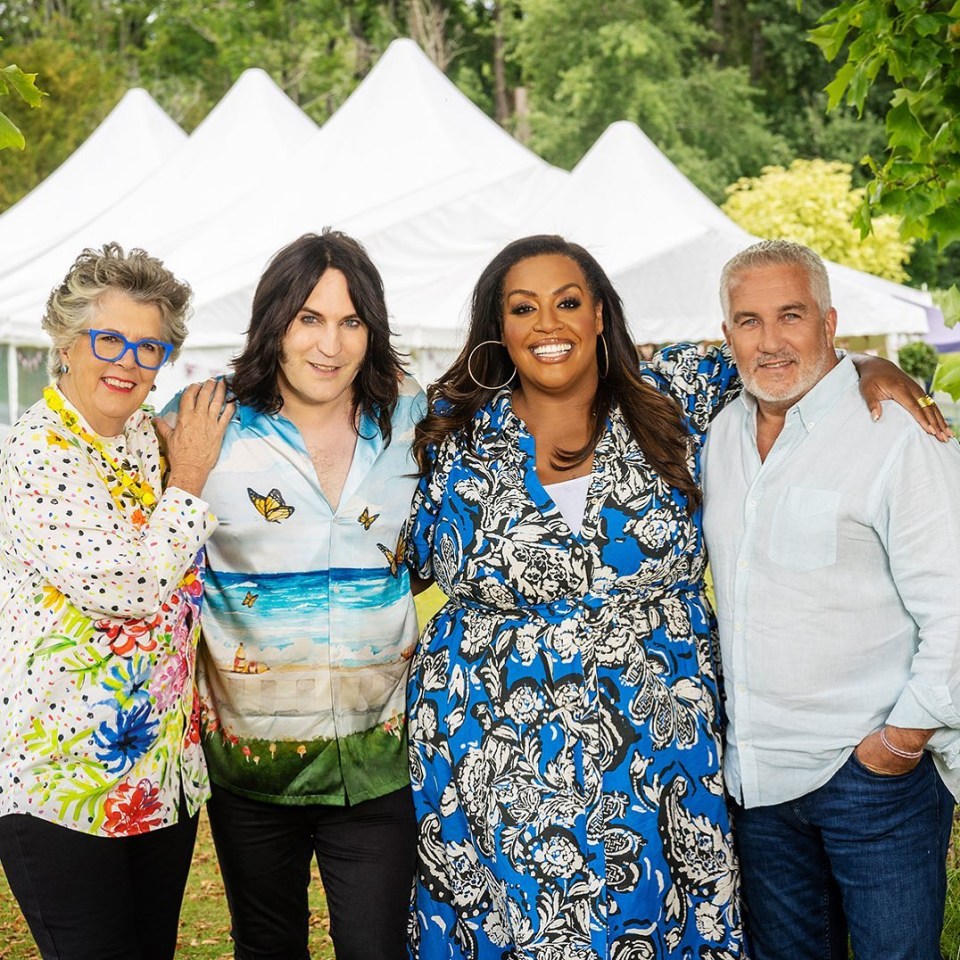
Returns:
point(864, 854)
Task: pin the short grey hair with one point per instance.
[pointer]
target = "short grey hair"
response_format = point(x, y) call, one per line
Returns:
point(772, 253)
point(144, 279)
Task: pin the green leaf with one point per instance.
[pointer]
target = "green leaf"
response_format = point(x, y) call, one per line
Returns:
point(943, 136)
point(927, 24)
point(918, 202)
point(859, 87)
point(892, 201)
point(837, 87)
point(947, 379)
point(945, 223)
point(862, 218)
point(949, 303)
point(829, 37)
point(904, 129)
point(914, 229)
point(24, 84)
point(905, 172)
point(10, 135)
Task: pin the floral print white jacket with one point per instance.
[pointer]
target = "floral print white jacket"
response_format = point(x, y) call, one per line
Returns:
point(99, 621)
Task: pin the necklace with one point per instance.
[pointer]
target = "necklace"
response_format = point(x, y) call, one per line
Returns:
point(130, 482)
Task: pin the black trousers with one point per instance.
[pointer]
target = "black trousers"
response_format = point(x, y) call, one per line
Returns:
point(98, 898)
point(366, 855)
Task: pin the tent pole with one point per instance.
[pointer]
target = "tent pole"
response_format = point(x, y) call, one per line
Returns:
point(13, 382)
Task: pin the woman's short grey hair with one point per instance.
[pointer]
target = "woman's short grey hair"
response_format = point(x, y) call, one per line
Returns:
point(144, 279)
point(774, 253)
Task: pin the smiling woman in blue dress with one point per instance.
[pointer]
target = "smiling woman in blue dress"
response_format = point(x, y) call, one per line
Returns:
point(564, 718)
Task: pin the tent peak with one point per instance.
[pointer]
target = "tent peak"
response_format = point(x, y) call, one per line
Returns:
point(262, 104)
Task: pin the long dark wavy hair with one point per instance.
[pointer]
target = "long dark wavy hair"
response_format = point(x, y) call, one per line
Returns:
point(281, 293)
point(654, 419)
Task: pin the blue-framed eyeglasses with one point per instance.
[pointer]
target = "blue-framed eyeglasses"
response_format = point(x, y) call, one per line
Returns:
point(111, 346)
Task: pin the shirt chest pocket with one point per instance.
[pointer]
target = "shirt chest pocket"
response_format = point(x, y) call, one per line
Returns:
point(803, 533)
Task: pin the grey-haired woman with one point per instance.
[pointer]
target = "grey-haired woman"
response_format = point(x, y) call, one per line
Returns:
point(101, 771)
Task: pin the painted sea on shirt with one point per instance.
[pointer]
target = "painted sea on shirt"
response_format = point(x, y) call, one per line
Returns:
point(288, 618)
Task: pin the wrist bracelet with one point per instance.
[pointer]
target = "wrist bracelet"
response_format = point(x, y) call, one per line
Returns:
point(896, 751)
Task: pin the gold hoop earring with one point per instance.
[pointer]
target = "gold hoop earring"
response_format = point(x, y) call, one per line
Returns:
point(606, 357)
point(470, 373)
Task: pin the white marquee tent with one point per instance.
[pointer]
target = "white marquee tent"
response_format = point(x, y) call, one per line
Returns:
point(660, 239)
point(672, 274)
point(250, 134)
point(134, 139)
point(433, 188)
point(406, 143)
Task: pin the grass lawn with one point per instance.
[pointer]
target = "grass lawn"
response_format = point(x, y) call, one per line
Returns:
point(205, 923)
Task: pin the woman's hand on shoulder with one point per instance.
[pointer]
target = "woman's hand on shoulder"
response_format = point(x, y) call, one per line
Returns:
point(882, 380)
point(192, 446)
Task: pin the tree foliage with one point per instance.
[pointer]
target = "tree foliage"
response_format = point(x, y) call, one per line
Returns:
point(82, 91)
point(192, 53)
point(586, 65)
point(814, 202)
point(769, 39)
point(915, 44)
point(919, 360)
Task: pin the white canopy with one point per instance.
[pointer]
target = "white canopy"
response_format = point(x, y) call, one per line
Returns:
point(249, 135)
point(434, 188)
point(669, 274)
point(405, 143)
point(134, 139)
point(662, 242)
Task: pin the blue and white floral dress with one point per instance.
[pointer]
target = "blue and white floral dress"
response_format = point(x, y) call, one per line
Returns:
point(564, 717)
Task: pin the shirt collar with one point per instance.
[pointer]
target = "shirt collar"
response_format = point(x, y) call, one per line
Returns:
point(816, 403)
point(370, 435)
point(245, 415)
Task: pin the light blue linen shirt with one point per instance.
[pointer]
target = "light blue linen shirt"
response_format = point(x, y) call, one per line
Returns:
point(835, 568)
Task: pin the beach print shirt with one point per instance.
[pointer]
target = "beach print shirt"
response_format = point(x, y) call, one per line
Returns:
point(309, 622)
point(99, 620)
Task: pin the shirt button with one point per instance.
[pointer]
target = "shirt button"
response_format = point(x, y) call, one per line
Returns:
point(738, 627)
point(744, 565)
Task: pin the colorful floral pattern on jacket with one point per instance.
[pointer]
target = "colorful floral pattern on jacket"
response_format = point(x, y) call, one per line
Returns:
point(99, 622)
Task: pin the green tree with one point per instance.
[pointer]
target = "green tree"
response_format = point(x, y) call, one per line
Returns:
point(82, 89)
point(915, 45)
point(813, 202)
point(919, 360)
point(769, 39)
point(316, 50)
point(586, 65)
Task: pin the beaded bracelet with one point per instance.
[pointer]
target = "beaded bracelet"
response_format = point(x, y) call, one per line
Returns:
point(896, 751)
